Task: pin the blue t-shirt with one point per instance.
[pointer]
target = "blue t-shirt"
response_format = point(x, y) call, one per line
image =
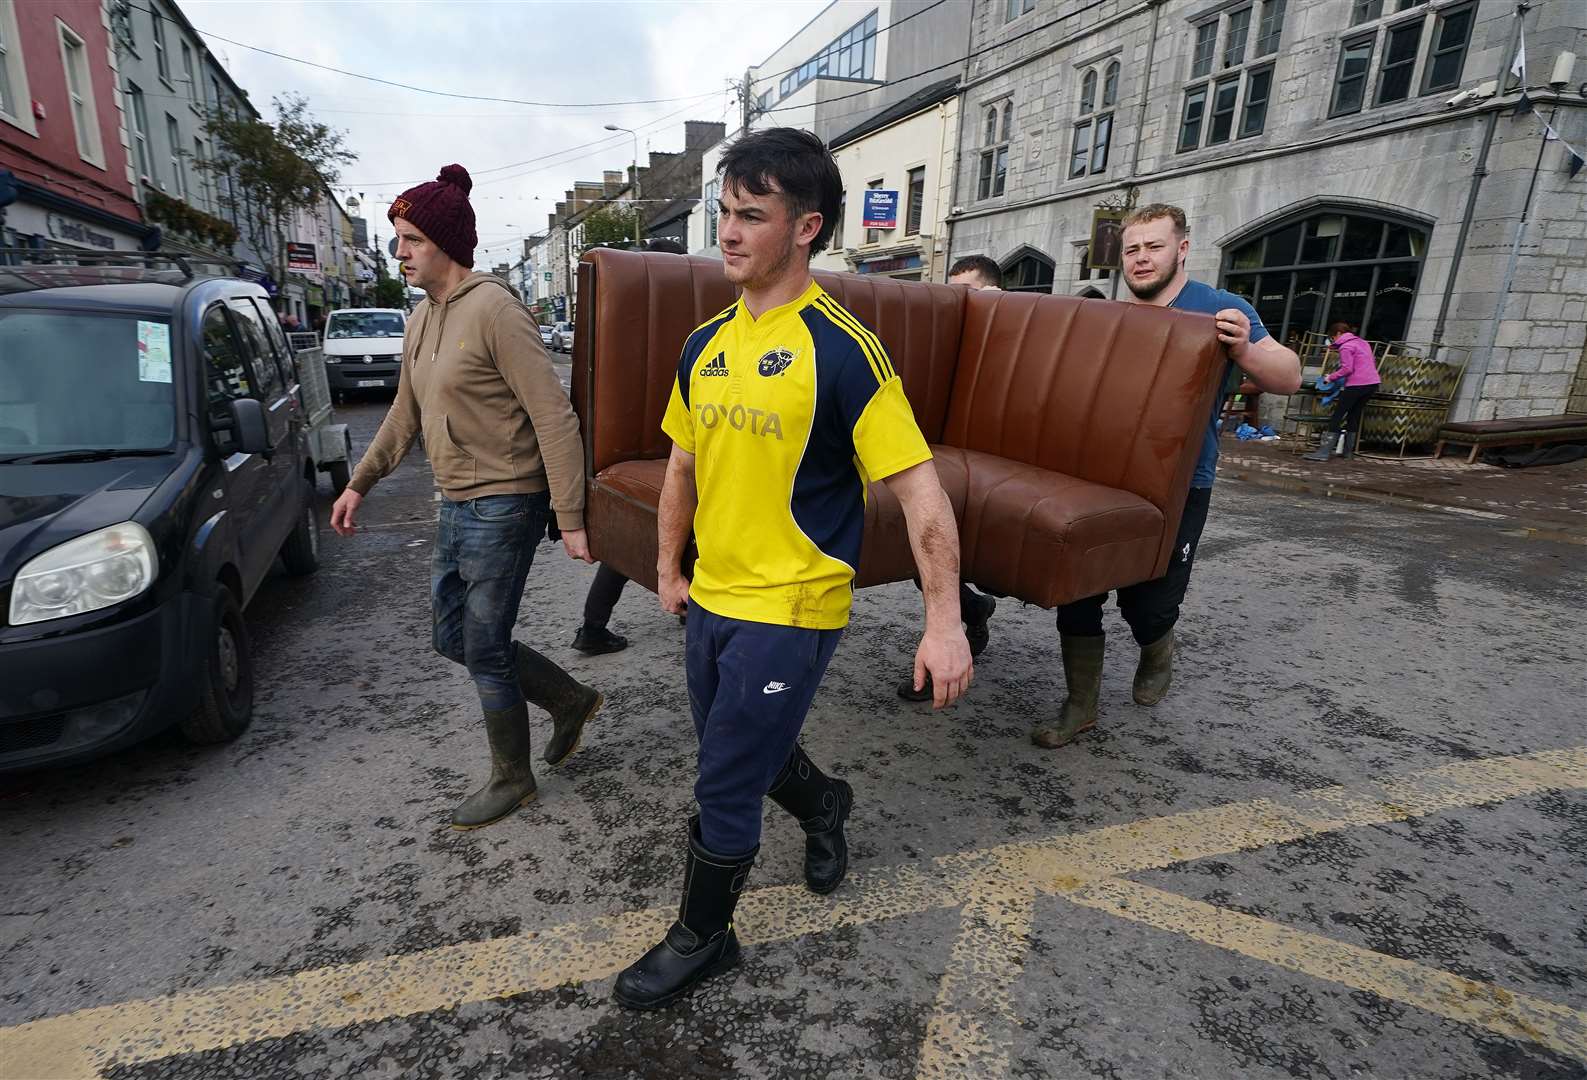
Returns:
point(1198, 297)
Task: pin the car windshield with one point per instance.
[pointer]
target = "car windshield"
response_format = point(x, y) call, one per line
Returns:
point(362, 324)
point(71, 382)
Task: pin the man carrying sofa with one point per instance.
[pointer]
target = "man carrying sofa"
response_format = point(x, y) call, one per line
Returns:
point(1156, 243)
point(783, 407)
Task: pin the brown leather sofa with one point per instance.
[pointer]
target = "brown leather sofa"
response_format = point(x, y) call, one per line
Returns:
point(1065, 431)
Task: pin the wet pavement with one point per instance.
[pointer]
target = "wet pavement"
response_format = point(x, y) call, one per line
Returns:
point(1546, 501)
point(1351, 843)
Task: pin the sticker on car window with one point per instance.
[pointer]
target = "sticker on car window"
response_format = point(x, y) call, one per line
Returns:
point(154, 352)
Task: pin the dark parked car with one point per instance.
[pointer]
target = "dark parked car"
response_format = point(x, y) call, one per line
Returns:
point(153, 465)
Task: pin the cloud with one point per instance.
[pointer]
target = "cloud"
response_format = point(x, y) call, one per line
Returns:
point(547, 52)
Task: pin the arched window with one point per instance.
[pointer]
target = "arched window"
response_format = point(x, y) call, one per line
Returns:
point(1110, 85)
point(1008, 120)
point(1323, 265)
point(1088, 92)
point(991, 127)
point(1029, 271)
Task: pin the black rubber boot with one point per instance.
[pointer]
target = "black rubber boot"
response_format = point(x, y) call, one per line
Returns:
point(597, 641)
point(1155, 671)
point(1350, 445)
point(821, 805)
point(512, 778)
point(975, 624)
point(570, 703)
point(701, 942)
point(976, 632)
point(1083, 680)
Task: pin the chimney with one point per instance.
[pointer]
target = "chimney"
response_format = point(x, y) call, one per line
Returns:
point(700, 134)
point(611, 182)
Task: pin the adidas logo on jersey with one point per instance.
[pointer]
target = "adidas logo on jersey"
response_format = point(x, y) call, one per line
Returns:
point(715, 367)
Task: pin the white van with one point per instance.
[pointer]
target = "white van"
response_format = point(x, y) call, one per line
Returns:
point(363, 349)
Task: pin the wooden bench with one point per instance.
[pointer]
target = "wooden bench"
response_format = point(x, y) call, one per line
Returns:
point(1534, 431)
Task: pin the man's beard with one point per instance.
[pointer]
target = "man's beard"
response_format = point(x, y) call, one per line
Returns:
point(774, 272)
point(1149, 289)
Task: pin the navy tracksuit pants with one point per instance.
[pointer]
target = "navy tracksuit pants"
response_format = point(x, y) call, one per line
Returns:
point(750, 686)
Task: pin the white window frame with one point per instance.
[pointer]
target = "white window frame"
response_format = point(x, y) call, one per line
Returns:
point(84, 109)
point(18, 108)
point(173, 135)
point(713, 208)
point(195, 92)
point(138, 127)
point(162, 61)
point(909, 199)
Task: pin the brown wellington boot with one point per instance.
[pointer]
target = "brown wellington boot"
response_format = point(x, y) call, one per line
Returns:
point(1083, 680)
point(512, 780)
point(1155, 670)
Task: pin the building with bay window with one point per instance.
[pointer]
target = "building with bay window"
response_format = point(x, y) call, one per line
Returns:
point(1360, 160)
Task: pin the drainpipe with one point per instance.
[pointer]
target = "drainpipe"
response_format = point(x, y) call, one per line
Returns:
point(942, 152)
point(958, 146)
point(1146, 92)
point(1479, 171)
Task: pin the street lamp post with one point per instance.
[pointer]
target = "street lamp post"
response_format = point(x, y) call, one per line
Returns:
point(638, 209)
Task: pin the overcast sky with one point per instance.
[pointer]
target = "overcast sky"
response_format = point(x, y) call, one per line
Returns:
point(544, 52)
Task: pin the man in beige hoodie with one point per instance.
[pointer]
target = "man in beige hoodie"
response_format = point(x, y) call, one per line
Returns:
point(504, 446)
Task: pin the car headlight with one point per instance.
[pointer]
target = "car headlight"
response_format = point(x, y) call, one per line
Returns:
point(86, 574)
point(333, 359)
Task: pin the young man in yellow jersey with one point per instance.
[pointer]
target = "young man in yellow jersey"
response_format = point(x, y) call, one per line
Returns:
point(784, 408)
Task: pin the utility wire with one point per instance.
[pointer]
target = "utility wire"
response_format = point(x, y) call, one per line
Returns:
point(502, 100)
point(967, 56)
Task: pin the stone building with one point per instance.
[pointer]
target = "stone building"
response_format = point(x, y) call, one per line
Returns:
point(1355, 159)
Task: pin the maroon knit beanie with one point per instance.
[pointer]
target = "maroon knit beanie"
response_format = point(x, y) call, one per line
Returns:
point(441, 211)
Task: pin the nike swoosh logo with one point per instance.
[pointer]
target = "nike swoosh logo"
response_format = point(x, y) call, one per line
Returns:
point(776, 688)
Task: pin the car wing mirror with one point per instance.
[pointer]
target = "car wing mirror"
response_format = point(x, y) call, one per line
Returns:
point(243, 431)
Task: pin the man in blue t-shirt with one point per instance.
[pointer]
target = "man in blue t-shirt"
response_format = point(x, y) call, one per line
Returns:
point(1156, 242)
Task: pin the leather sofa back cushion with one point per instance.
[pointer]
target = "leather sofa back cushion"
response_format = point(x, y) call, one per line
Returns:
point(647, 306)
point(920, 326)
point(1075, 387)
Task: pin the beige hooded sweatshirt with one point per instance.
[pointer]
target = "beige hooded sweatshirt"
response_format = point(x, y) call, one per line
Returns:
point(477, 381)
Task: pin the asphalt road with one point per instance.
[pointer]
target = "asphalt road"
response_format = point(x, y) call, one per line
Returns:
point(1351, 843)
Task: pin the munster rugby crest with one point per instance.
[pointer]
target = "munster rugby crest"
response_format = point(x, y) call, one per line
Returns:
point(776, 361)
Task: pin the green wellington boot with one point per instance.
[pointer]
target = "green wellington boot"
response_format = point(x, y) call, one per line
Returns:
point(570, 703)
point(1155, 670)
point(512, 779)
point(1083, 680)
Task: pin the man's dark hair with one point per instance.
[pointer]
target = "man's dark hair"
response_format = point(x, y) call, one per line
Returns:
point(792, 163)
point(667, 244)
point(985, 268)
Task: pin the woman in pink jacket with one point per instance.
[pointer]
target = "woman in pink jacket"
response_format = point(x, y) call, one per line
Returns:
point(1360, 374)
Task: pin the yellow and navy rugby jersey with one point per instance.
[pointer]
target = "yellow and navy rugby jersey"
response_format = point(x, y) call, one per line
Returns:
point(789, 416)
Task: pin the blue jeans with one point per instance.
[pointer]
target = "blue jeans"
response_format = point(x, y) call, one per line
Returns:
point(750, 686)
point(483, 550)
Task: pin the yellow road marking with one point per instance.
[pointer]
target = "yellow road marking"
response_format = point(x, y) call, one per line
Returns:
point(81, 1043)
point(971, 1033)
point(1511, 1013)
